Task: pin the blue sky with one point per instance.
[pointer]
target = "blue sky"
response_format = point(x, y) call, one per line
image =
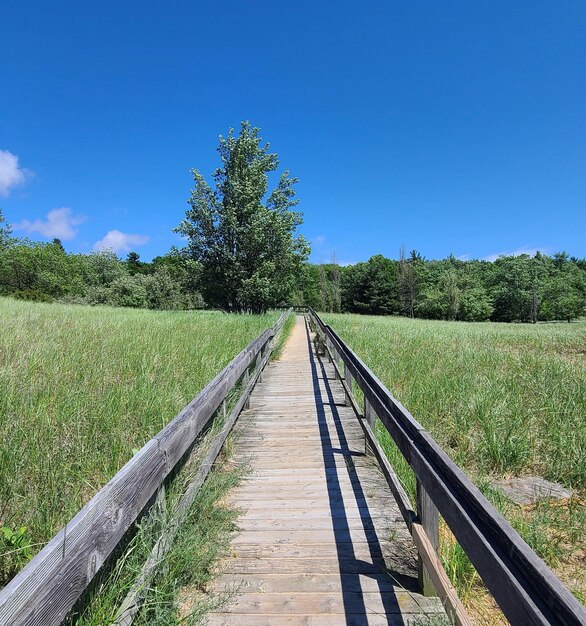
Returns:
point(451, 127)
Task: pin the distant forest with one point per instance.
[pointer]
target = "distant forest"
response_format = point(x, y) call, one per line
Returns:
point(511, 289)
point(520, 288)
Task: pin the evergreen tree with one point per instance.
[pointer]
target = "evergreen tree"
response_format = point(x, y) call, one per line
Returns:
point(58, 244)
point(133, 263)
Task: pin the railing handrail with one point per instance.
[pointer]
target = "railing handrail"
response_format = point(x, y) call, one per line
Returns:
point(46, 589)
point(524, 587)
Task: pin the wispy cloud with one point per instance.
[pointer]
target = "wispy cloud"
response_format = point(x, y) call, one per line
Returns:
point(60, 223)
point(11, 174)
point(464, 257)
point(319, 240)
point(118, 241)
point(518, 252)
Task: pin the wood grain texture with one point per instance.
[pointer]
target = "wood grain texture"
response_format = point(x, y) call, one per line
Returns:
point(320, 534)
point(526, 590)
point(439, 579)
point(428, 517)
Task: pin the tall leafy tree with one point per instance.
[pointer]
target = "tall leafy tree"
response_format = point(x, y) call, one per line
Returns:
point(512, 288)
point(565, 293)
point(371, 287)
point(242, 237)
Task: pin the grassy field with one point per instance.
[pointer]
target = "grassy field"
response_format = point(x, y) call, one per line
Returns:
point(80, 389)
point(503, 400)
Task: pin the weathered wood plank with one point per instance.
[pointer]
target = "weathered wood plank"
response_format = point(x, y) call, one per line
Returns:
point(382, 523)
point(239, 619)
point(389, 553)
point(45, 590)
point(302, 583)
point(439, 579)
point(295, 536)
point(331, 603)
point(343, 564)
point(428, 516)
point(315, 505)
point(524, 587)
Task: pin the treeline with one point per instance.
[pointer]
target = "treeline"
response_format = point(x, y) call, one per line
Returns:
point(31, 270)
point(520, 288)
point(511, 289)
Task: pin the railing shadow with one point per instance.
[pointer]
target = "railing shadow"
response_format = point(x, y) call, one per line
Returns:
point(351, 567)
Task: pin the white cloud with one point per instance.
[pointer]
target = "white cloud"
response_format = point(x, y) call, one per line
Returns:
point(60, 223)
point(517, 252)
point(11, 174)
point(120, 242)
point(464, 257)
point(319, 240)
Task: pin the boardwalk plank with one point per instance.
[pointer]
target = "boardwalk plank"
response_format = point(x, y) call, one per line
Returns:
point(320, 538)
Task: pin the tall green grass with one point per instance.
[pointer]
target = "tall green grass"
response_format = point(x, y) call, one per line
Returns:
point(179, 591)
point(502, 400)
point(81, 388)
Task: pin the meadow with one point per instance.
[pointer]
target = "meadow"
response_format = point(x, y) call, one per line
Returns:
point(81, 389)
point(503, 400)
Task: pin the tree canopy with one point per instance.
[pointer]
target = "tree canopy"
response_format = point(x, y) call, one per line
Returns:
point(242, 237)
point(520, 288)
point(243, 254)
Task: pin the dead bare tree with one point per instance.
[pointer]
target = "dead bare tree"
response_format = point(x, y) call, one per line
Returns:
point(407, 283)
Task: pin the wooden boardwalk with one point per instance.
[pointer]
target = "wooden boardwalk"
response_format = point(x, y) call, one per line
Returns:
point(321, 541)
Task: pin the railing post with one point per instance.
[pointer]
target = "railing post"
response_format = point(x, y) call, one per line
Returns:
point(317, 344)
point(348, 378)
point(334, 360)
point(370, 417)
point(429, 519)
point(260, 360)
point(245, 379)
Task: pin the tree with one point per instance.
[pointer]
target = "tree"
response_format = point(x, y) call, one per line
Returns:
point(58, 244)
point(38, 271)
point(336, 282)
point(324, 299)
point(513, 289)
point(5, 232)
point(565, 294)
point(244, 241)
point(475, 305)
point(307, 292)
point(371, 287)
point(133, 263)
point(408, 281)
point(452, 293)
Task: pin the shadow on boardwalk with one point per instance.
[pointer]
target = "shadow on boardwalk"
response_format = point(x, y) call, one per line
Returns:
point(351, 568)
point(321, 540)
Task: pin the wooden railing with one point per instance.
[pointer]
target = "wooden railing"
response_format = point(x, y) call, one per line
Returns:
point(47, 588)
point(525, 589)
